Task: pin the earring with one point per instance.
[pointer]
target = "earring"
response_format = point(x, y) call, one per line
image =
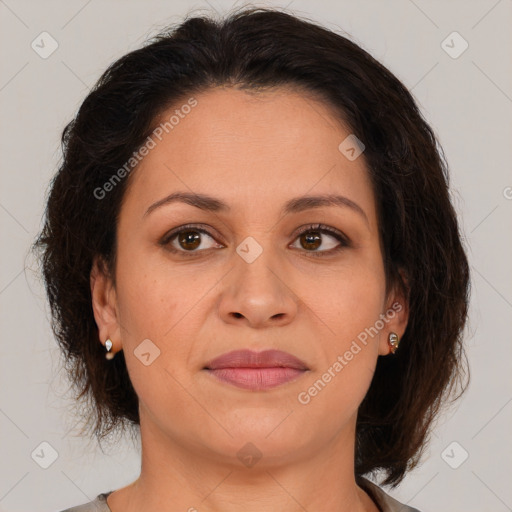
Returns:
point(393, 342)
point(108, 346)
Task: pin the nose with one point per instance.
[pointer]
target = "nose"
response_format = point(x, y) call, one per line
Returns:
point(258, 294)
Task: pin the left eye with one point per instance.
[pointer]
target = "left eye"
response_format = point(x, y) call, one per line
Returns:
point(310, 238)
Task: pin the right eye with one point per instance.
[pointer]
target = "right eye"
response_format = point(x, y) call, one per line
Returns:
point(186, 239)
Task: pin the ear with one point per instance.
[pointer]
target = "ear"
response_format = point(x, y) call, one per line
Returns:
point(396, 314)
point(104, 305)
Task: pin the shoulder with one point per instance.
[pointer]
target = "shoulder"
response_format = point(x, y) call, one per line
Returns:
point(97, 505)
point(386, 502)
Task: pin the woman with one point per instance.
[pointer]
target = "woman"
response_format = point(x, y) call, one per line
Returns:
point(251, 256)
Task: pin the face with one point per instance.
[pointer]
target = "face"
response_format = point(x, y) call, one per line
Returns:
point(249, 275)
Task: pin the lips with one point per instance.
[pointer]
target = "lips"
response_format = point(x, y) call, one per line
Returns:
point(256, 370)
point(251, 359)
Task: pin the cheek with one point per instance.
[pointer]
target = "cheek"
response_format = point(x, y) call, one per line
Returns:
point(154, 294)
point(349, 308)
point(347, 300)
point(165, 304)
point(156, 306)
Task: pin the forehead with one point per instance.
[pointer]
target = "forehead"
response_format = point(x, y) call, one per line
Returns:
point(249, 148)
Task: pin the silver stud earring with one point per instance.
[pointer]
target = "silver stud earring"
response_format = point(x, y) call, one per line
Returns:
point(108, 346)
point(393, 341)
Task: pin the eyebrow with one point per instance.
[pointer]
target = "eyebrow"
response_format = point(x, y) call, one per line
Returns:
point(296, 205)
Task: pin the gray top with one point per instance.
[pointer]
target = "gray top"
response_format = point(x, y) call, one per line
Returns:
point(383, 500)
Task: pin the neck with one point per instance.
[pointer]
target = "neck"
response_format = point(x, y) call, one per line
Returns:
point(177, 476)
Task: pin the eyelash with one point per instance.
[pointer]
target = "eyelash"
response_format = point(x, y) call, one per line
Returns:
point(322, 228)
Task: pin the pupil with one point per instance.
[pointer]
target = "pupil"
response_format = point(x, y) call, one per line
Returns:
point(190, 237)
point(312, 239)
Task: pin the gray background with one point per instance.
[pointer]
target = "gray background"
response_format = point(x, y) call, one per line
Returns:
point(467, 100)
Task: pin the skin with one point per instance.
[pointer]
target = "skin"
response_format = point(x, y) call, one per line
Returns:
point(254, 152)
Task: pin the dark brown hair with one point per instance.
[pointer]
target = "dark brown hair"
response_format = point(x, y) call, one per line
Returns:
point(258, 48)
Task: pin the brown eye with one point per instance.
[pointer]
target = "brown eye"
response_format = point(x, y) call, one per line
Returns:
point(188, 240)
point(311, 240)
point(312, 237)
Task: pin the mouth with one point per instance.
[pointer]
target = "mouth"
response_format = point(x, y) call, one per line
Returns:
point(256, 370)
